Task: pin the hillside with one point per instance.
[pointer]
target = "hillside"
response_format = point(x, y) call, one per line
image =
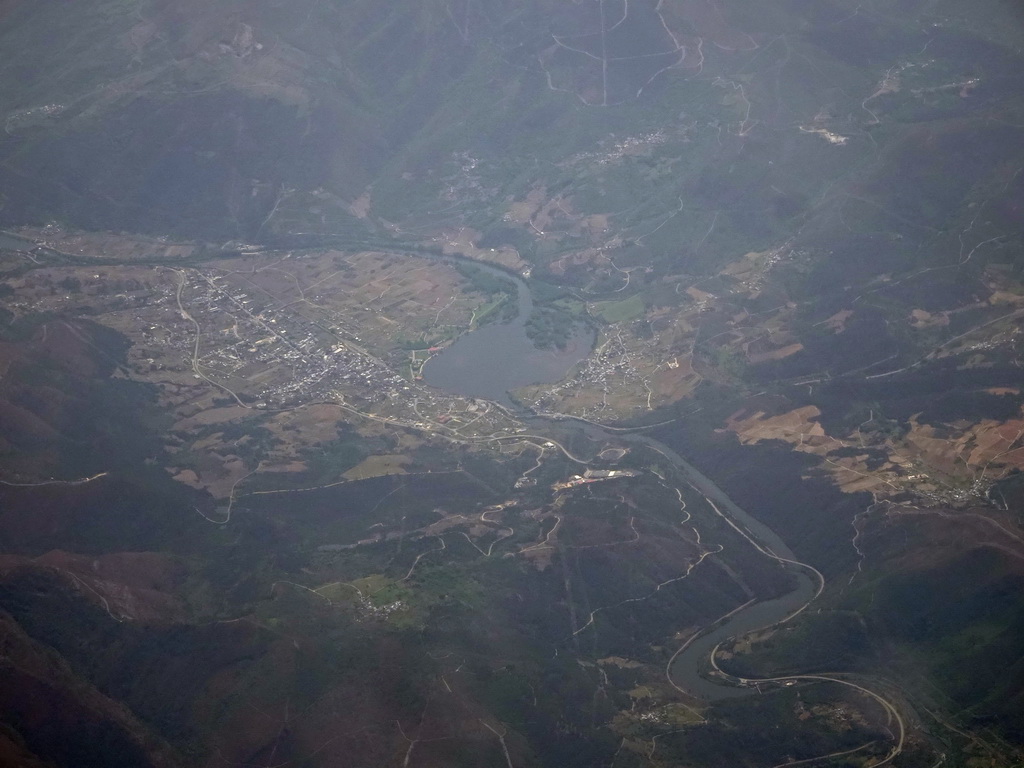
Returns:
point(780, 242)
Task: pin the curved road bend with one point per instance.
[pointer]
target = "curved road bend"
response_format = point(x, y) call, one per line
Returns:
point(683, 669)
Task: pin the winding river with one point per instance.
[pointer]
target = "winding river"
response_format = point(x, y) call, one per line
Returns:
point(685, 668)
point(490, 361)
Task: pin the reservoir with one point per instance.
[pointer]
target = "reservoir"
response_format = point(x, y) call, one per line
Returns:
point(489, 362)
point(492, 360)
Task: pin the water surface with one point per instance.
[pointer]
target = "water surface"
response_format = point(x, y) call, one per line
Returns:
point(492, 360)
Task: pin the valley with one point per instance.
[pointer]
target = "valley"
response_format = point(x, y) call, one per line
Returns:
point(610, 383)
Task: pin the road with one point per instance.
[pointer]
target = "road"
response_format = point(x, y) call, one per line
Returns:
point(760, 538)
point(195, 347)
point(708, 489)
point(890, 708)
point(80, 481)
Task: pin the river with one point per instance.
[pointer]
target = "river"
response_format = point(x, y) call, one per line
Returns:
point(686, 667)
point(492, 360)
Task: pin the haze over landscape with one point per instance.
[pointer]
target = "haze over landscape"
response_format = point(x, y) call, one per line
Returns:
point(547, 383)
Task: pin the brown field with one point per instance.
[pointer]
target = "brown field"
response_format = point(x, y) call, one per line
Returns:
point(793, 427)
point(262, 321)
point(462, 242)
point(107, 244)
point(990, 445)
point(377, 466)
point(775, 354)
point(382, 298)
point(929, 459)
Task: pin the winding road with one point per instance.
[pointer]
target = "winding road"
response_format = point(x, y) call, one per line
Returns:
point(701, 648)
point(682, 670)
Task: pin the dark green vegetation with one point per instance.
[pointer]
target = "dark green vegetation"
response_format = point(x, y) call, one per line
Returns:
point(447, 111)
point(871, 153)
point(804, 725)
point(223, 623)
point(501, 293)
point(929, 600)
point(557, 315)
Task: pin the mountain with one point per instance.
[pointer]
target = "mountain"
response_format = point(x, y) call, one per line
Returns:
point(762, 260)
